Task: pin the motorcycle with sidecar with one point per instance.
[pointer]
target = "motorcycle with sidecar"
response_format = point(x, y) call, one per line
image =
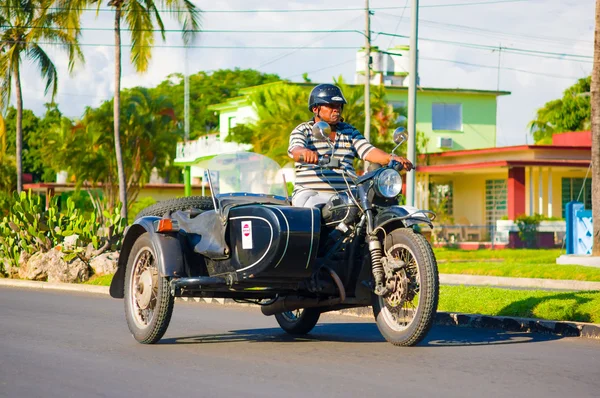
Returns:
point(247, 242)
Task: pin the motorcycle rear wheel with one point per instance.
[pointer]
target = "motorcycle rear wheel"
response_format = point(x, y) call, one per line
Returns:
point(405, 315)
point(298, 322)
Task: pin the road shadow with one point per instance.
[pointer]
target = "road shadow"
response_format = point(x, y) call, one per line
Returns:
point(359, 332)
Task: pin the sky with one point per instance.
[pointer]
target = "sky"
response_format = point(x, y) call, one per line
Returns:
point(458, 48)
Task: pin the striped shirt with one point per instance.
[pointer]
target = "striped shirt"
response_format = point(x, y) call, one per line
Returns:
point(349, 143)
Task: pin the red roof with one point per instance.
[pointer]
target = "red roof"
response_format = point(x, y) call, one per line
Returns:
point(573, 139)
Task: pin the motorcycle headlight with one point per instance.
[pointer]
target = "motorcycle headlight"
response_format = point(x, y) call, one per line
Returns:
point(388, 183)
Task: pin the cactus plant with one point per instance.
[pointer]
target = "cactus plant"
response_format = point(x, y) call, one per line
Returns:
point(29, 228)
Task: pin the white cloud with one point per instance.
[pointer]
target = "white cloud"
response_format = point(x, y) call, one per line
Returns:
point(556, 26)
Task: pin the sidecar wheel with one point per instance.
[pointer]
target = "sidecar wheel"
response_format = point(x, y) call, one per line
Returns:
point(148, 299)
point(298, 322)
point(405, 314)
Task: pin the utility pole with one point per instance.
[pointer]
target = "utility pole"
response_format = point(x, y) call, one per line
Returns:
point(187, 171)
point(412, 103)
point(595, 102)
point(367, 130)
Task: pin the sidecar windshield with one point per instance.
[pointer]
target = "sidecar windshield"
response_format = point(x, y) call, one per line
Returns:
point(245, 172)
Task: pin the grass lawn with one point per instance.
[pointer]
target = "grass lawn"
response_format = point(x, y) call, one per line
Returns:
point(100, 280)
point(516, 263)
point(557, 306)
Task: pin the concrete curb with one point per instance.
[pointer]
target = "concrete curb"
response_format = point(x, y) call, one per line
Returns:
point(532, 283)
point(513, 324)
point(73, 287)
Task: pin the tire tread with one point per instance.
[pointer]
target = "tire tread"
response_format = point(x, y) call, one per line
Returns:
point(166, 207)
point(432, 282)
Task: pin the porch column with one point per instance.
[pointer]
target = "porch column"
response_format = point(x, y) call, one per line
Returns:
point(187, 180)
point(541, 191)
point(549, 192)
point(531, 191)
point(516, 191)
point(426, 196)
point(419, 192)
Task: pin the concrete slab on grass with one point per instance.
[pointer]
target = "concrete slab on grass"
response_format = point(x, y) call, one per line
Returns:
point(576, 259)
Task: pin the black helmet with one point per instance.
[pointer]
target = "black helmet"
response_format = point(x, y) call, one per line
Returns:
point(325, 94)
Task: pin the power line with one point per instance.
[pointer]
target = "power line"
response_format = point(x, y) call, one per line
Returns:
point(583, 58)
point(462, 44)
point(503, 68)
point(504, 33)
point(489, 32)
point(312, 42)
point(477, 3)
point(236, 47)
point(399, 21)
point(321, 69)
point(296, 10)
point(262, 31)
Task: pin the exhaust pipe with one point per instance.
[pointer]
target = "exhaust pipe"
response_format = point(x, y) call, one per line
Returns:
point(196, 281)
point(292, 303)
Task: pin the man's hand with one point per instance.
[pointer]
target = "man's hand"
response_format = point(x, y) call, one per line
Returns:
point(304, 155)
point(408, 166)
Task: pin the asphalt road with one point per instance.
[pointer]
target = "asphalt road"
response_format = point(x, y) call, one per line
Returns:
point(62, 344)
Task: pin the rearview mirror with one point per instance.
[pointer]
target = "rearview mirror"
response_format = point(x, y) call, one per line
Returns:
point(400, 136)
point(321, 130)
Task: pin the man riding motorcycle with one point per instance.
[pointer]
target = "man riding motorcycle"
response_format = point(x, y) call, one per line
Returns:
point(316, 185)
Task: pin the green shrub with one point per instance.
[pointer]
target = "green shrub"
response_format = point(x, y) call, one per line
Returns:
point(528, 226)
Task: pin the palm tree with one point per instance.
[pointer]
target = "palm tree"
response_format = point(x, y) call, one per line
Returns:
point(141, 17)
point(279, 109)
point(24, 26)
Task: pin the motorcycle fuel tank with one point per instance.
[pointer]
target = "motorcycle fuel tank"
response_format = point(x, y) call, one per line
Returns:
point(269, 241)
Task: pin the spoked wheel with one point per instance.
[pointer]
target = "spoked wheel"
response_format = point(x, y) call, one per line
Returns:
point(405, 314)
point(148, 299)
point(298, 322)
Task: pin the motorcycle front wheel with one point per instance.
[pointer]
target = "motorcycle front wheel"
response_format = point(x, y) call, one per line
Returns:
point(298, 322)
point(148, 299)
point(405, 314)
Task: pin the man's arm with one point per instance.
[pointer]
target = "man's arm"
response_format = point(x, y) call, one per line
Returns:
point(366, 151)
point(376, 155)
point(307, 155)
point(297, 147)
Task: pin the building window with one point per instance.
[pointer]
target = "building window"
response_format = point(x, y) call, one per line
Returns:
point(446, 116)
point(441, 198)
point(575, 189)
point(495, 201)
point(231, 122)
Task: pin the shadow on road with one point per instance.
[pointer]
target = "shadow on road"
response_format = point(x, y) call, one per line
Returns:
point(439, 336)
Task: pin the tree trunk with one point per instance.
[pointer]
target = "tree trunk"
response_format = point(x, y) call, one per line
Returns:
point(19, 137)
point(117, 103)
point(595, 91)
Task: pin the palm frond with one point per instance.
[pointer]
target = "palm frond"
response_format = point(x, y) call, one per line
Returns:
point(69, 43)
point(2, 137)
point(151, 6)
point(5, 81)
point(38, 55)
point(188, 15)
point(139, 21)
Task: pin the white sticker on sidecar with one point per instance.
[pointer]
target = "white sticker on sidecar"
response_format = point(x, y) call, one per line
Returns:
point(247, 235)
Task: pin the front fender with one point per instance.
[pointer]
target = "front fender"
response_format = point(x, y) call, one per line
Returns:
point(167, 248)
point(405, 215)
